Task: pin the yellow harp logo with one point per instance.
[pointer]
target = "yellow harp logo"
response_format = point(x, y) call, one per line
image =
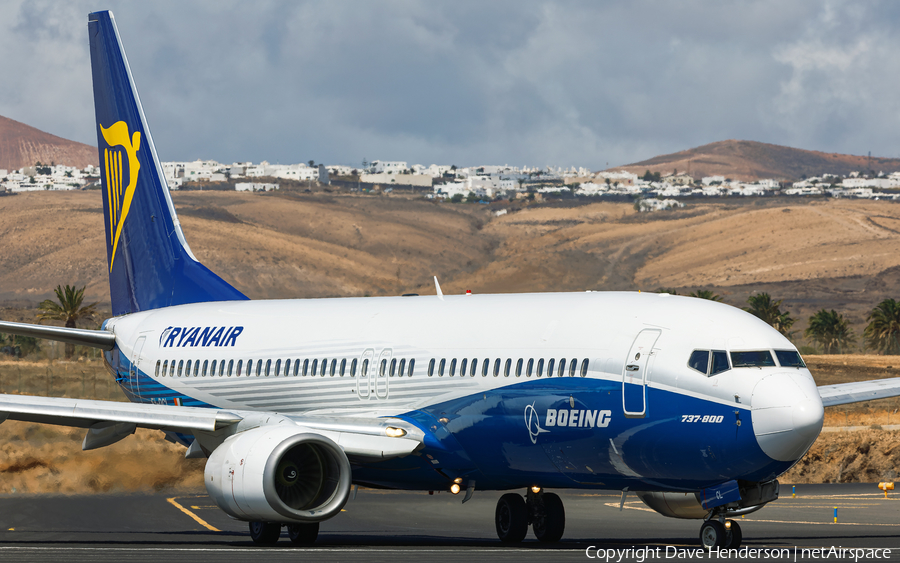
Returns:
point(119, 197)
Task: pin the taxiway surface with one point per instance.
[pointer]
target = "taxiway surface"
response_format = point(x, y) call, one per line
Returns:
point(403, 526)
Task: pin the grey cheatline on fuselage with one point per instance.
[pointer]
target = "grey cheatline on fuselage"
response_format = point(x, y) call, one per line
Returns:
point(694, 405)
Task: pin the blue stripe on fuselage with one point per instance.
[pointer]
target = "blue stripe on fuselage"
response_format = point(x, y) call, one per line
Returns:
point(488, 437)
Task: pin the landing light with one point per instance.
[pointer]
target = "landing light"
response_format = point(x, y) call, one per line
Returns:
point(535, 489)
point(727, 524)
point(458, 480)
point(454, 488)
point(394, 432)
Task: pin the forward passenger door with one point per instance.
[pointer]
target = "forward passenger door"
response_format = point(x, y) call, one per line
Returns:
point(634, 375)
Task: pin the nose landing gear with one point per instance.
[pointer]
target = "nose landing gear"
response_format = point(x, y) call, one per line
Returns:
point(721, 533)
point(543, 511)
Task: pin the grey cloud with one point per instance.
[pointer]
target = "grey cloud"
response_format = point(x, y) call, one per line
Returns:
point(561, 83)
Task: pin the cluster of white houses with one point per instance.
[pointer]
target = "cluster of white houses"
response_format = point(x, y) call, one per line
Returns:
point(447, 181)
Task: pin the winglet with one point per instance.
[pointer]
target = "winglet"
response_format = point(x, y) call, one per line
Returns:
point(437, 288)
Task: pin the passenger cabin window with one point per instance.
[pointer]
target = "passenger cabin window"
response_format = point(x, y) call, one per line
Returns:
point(238, 372)
point(562, 368)
point(393, 367)
point(485, 366)
point(540, 368)
point(519, 368)
point(343, 367)
point(363, 369)
point(699, 361)
point(753, 359)
point(333, 367)
point(441, 367)
point(462, 367)
point(474, 367)
point(572, 367)
point(431, 367)
point(529, 368)
point(352, 368)
point(230, 367)
point(789, 359)
point(550, 365)
point(584, 368)
point(324, 367)
point(157, 368)
point(187, 369)
point(452, 367)
point(401, 367)
point(719, 362)
point(412, 365)
point(497, 367)
point(277, 368)
point(507, 367)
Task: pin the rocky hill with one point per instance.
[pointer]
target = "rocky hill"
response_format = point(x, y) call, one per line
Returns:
point(22, 145)
point(750, 161)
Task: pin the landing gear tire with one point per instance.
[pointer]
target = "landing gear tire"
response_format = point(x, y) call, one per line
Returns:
point(265, 533)
point(712, 534)
point(303, 534)
point(511, 518)
point(549, 518)
point(733, 535)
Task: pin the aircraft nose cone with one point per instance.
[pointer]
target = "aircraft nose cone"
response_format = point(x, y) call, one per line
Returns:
point(787, 415)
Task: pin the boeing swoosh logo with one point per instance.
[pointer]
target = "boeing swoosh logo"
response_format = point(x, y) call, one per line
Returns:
point(532, 423)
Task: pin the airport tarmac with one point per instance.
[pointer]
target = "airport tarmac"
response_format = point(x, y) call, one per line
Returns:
point(404, 526)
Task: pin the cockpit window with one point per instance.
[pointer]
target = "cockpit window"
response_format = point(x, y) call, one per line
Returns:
point(789, 359)
point(754, 359)
point(719, 362)
point(699, 361)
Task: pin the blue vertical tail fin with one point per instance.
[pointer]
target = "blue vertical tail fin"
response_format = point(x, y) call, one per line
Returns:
point(150, 263)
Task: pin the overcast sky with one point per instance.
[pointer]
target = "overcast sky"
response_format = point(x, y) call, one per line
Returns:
point(469, 83)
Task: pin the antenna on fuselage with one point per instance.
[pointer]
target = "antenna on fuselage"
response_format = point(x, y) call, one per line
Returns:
point(437, 288)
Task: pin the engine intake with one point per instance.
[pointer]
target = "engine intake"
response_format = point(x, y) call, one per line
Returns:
point(279, 474)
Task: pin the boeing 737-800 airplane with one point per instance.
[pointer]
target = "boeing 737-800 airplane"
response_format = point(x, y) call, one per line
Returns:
point(695, 406)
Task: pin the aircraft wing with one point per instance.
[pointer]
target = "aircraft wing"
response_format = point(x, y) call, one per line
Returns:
point(110, 421)
point(843, 393)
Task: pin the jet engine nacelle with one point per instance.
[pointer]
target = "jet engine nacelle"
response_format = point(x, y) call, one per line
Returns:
point(279, 474)
point(674, 505)
point(753, 496)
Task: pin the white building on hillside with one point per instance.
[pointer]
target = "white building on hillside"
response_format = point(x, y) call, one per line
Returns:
point(386, 167)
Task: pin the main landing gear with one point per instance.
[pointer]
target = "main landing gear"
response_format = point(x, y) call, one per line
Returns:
point(543, 511)
point(268, 533)
point(720, 533)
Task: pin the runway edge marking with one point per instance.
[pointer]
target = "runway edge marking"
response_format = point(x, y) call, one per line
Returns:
point(199, 520)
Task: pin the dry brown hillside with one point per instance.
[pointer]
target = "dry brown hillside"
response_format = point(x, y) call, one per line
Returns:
point(838, 254)
point(750, 161)
point(22, 145)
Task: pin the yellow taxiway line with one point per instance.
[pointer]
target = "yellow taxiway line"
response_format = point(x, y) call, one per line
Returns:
point(199, 520)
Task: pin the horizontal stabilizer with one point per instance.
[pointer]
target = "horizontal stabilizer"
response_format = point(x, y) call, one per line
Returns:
point(102, 339)
point(856, 392)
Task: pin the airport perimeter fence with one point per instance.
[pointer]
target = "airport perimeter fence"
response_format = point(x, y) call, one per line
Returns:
point(76, 379)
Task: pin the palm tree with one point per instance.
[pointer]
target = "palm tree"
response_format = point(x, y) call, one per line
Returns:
point(68, 309)
point(706, 294)
point(769, 311)
point(883, 331)
point(831, 331)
